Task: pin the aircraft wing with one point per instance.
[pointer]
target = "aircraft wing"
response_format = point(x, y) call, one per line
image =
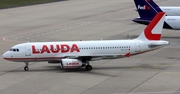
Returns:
point(94, 57)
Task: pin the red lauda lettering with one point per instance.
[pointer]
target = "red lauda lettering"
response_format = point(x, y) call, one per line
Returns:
point(64, 48)
point(75, 48)
point(53, 50)
point(34, 50)
point(73, 63)
point(45, 49)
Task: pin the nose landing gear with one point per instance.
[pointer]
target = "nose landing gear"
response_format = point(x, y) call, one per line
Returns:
point(26, 66)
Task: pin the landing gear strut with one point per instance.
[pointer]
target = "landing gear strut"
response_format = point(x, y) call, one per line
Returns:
point(26, 66)
point(88, 67)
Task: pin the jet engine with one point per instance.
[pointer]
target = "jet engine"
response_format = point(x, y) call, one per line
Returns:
point(71, 63)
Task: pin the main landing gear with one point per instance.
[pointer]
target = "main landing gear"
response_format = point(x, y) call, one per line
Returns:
point(26, 66)
point(88, 67)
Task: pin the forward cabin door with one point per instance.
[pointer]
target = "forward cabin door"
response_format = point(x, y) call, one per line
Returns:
point(137, 47)
point(27, 50)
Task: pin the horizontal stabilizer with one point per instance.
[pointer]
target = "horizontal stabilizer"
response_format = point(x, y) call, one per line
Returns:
point(147, 20)
point(159, 43)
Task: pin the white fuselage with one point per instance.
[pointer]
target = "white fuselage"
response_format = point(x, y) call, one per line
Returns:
point(47, 51)
point(173, 16)
point(173, 21)
point(171, 11)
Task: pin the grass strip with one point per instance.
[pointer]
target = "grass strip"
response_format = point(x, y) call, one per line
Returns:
point(18, 3)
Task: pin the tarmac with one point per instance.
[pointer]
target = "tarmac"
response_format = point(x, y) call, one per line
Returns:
point(155, 72)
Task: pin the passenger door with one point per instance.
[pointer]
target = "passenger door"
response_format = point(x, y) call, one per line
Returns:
point(27, 50)
point(137, 47)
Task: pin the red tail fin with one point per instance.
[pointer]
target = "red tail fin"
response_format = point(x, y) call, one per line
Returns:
point(154, 29)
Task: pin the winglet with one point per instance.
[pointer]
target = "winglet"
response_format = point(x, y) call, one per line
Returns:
point(154, 29)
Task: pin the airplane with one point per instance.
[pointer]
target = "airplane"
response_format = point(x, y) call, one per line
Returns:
point(170, 10)
point(77, 54)
point(147, 12)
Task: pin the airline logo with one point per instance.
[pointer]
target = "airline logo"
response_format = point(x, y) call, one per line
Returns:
point(145, 7)
point(148, 30)
point(73, 63)
point(62, 48)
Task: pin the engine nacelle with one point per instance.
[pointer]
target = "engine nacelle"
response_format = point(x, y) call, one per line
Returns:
point(70, 63)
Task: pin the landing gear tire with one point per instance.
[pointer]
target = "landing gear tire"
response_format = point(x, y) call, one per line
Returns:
point(26, 68)
point(88, 67)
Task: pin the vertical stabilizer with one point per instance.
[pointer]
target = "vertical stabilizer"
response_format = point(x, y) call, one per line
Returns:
point(147, 8)
point(154, 5)
point(154, 29)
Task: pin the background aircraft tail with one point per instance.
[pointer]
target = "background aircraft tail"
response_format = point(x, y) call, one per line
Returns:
point(154, 29)
point(154, 5)
point(146, 9)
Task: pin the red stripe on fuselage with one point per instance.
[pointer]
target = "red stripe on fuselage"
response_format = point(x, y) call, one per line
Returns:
point(34, 59)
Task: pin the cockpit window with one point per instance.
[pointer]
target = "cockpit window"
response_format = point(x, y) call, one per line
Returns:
point(14, 50)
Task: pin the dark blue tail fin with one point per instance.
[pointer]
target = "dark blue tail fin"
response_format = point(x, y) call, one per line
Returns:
point(147, 9)
point(154, 5)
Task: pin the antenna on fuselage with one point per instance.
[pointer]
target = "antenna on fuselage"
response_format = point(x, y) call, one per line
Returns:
point(128, 36)
point(28, 40)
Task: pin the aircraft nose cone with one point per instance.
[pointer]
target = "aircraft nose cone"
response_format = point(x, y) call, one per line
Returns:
point(5, 55)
